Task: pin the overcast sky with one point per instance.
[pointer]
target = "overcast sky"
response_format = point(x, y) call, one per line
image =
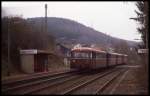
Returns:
point(111, 18)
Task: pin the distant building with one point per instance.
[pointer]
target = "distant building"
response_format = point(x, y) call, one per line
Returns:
point(64, 52)
point(83, 45)
point(93, 45)
point(77, 46)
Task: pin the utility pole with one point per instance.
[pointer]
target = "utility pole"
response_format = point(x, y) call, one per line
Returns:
point(107, 41)
point(8, 63)
point(45, 18)
point(46, 33)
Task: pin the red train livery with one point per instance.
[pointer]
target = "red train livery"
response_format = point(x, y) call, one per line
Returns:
point(89, 58)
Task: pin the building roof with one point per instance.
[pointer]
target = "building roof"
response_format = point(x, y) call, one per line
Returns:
point(86, 49)
point(34, 51)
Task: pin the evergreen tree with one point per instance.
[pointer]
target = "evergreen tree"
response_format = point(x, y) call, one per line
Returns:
point(142, 19)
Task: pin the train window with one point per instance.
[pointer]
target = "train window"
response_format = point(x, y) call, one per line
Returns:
point(90, 55)
point(93, 55)
point(112, 56)
point(100, 55)
point(119, 56)
point(82, 55)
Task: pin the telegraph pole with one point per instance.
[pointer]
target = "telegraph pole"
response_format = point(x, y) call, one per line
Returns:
point(45, 18)
point(8, 69)
point(46, 33)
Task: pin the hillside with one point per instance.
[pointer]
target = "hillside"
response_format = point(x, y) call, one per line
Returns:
point(29, 34)
point(70, 32)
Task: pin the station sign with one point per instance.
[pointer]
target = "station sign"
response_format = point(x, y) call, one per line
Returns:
point(141, 51)
point(29, 51)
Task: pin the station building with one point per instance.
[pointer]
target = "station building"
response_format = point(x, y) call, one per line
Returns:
point(33, 60)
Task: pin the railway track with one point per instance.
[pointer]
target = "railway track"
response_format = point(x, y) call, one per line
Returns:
point(71, 85)
point(27, 86)
point(63, 83)
point(81, 88)
point(24, 79)
point(11, 86)
point(39, 89)
point(96, 86)
point(31, 76)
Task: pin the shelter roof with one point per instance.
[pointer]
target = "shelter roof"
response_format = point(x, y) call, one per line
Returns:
point(34, 51)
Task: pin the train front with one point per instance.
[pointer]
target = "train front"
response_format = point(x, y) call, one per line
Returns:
point(81, 58)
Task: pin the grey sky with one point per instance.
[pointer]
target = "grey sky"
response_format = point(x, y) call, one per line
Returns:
point(108, 17)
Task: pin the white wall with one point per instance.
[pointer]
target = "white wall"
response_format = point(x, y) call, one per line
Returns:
point(27, 63)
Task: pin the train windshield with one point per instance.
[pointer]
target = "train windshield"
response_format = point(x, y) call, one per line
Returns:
point(81, 54)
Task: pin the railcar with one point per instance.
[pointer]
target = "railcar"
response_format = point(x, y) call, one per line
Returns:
point(89, 58)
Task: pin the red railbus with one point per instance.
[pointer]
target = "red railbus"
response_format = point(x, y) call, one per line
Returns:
point(90, 58)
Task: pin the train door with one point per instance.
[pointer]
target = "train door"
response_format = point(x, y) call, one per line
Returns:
point(71, 59)
point(107, 59)
point(122, 59)
point(116, 59)
point(93, 60)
